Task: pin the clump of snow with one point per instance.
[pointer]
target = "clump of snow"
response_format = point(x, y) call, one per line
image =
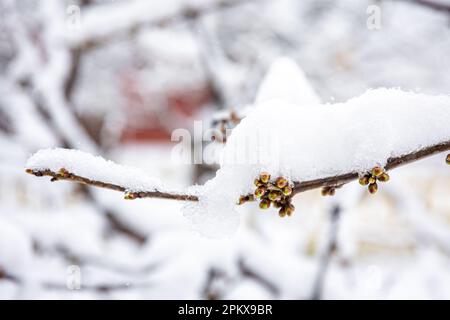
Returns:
point(331, 139)
point(15, 248)
point(286, 81)
point(94, 168)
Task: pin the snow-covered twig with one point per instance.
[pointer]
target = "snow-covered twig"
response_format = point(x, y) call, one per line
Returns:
point(392, 163)
point(84, 168)
point(64, 173)
point(67, 176)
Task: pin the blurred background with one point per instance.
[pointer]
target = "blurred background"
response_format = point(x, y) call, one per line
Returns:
point(116, 77)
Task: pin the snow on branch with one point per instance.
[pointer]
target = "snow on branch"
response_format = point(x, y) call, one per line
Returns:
point(322, 146)
point(81, 167)
point(392, 163)
point(103, 24)
point(39, 167)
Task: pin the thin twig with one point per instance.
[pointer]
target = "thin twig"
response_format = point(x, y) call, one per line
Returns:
point(333, 181)
point(67, 176)
point(392, 163)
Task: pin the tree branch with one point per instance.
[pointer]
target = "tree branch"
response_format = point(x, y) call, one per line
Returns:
point(186, 13)
point(324, 263)
point(333, 181)
point(64, 175)
point(392, 163)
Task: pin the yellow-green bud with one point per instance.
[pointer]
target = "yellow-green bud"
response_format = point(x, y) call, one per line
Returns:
point(260, 191)
point(373, 188)
point(287, 191)
point(384, 177)
point(258, 182)
point(281, 182)
point(364, 181)
point(447, 160)
point(264, 177)
point(282, 212)
point(290, 209)
point(274, 195)
point(130, 196)
point(372, 180)
point(63, 172)
point(264, 204)
point(377, 171)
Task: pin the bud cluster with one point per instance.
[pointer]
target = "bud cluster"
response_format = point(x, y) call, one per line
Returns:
point(371, 178)
point(277, 192)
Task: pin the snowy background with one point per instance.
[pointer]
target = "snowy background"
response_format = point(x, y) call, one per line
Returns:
point(115, 78)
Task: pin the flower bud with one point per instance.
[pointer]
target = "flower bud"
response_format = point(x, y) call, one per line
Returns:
point(384, 177)
point(364, 181)
point(264, 204)
point(282, 212)
point(130, 196)
point(287, 191)
point(281, 182)
point(258, 183)
point(377, 171)
point(260, 191)
point(264, 177)
point(290, 209)
point(447, 160)
point(373, 188)
point(243, 199)
point(274, 195)
point(372, 180)
point(64, 173)
point(277, 204)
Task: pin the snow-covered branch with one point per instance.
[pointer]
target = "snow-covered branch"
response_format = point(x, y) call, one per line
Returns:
point(135, 185)
point(392, 163)
point(77, 166)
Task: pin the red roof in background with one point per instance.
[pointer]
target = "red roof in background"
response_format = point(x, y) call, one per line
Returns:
point(143, 122)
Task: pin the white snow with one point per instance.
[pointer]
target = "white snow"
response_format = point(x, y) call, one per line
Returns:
point(310, 143)
point(286, 81)
point(94, 168)
point(15, 248)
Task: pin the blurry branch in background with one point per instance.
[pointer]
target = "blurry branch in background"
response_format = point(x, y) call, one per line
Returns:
point(190, 12)
point(334, 181)
point(100, 288)
point(435, 5)
point(56, 107)
point(216, 278)
point(327, 254)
